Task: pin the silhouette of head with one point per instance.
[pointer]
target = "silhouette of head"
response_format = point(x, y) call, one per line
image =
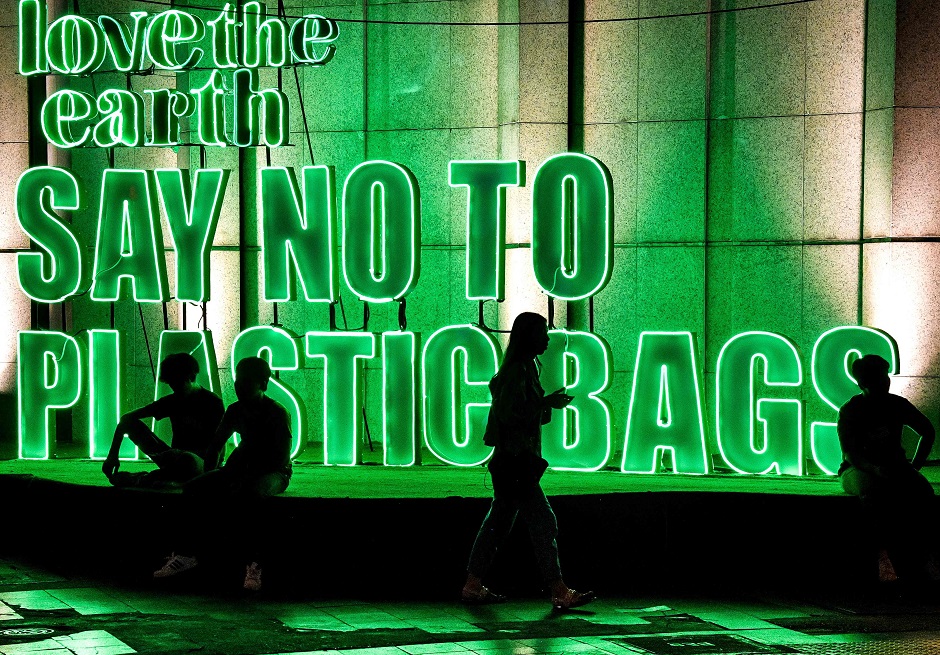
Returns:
point(178, 369)
point(528, 337)
point(251, 378)
point(871, 374)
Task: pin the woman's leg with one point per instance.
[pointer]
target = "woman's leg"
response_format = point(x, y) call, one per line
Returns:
point(543, 531)
point(496, 526)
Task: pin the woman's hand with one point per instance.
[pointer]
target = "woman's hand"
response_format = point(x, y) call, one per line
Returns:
point(558, 399)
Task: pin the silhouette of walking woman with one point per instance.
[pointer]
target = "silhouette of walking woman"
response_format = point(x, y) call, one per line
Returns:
point(514, 427)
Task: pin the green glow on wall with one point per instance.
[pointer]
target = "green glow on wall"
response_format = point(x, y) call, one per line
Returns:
point(342, 355)
point(60, 111)
point(223, 36)
point(54, 274)
point(167, 108)
point(49, 371)
point(381, 231)
point(122, 123)
point(125, 44)
point(778, 445)
point(260, 117)
point(32, 27)
point(130, 240)
point(279, 348)
point(210, 111)
point(192, 211)
point(665, 406)
point(833, 354)
point(578, 437)
point(74, 45)
point(486, 183)
point(105, 393)
point(170, 30)
point(457, 398)
point(572, 226)
point(399, 409)
point(270, 38)
point(299, 242)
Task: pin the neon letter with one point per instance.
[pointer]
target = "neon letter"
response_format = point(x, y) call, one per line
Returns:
point(33, 37)
point(105, 391)
point(260, 117)
point(738, 406)
point(572, 226)
point(398, 398)
point(130, 240)
point(272, 32)
point(49, 372)
point(56, 273)
point(166, 31)
point(210, 111)
point(224, 51)
point(192, 212)
point(665, 406)
point(167, 107)
point(307, 238)
point(122, 119)
point(60, 110)
point(74, 45)
point(381, 231)
point(486, 183)
point(125, 44)
point(342, 390)
point(578, 437)
point(459, 362)
point(279, 348)
point(307, 33)
point(833, 354)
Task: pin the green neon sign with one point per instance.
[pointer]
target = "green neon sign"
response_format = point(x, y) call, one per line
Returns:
point(833, 354)
point(125, 43)
point(261, 117)
point(268, 46)
point(122, 123)
point(381, 231)
point(106, 393)
point(342, 355)
point(578, 437)
point(399, 401)
point(32, 27)
point(75, 45)
point(192, 211)
point(55, 273)
point(62, 113)
point(756, 434)
point(459, 362)
point(572, 226)
point(49, 370)
point(279, 347)
point(130, 239)
point(665, 406)
point(298, 237)
point(486, 183)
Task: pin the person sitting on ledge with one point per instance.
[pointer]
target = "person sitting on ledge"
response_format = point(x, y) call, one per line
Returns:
point(259, 467)
point(194, 414)
point(514, 427)
point(895, 496)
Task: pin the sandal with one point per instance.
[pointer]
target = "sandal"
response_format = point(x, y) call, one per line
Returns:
point(571, 599)
point(482, 596)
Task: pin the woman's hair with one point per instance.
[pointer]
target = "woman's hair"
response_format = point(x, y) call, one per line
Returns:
point(526, 327)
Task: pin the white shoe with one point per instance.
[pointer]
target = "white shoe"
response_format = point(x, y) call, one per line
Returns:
point(252, 577)
point(175, 564)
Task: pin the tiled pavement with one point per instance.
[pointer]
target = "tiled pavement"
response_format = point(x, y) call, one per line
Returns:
point(42, 613)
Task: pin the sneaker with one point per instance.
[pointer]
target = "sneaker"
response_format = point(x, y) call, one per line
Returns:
point(252, 577)
point(175, 564)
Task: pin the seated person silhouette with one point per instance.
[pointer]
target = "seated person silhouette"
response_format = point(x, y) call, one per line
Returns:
point(259, 467)
point(194, 415)
point(895, 496)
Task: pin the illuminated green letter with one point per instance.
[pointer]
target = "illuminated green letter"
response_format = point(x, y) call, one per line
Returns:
point(33, 37)
point(578, 437)
point(459, 362)
point(260, 117)
point(125, 44)
point(306, 238)
point(74, 45)
point(56, 273)
point(105, 391)
point(49, 374)
point(381, 231)
point(342, 390)
point(122, 119)
point(572, 226)
point(224, 51)
point(309, 32)
point(665, 406)
point(167, 107)
point(833, 354)
point(778, 444)
point(130, 240)
point(210, 111)
point(60, 110)
point(272, 33)
point(279, 348)
point(398, 398)
point(166, 31)
point(486, 183)
point(193, 215)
